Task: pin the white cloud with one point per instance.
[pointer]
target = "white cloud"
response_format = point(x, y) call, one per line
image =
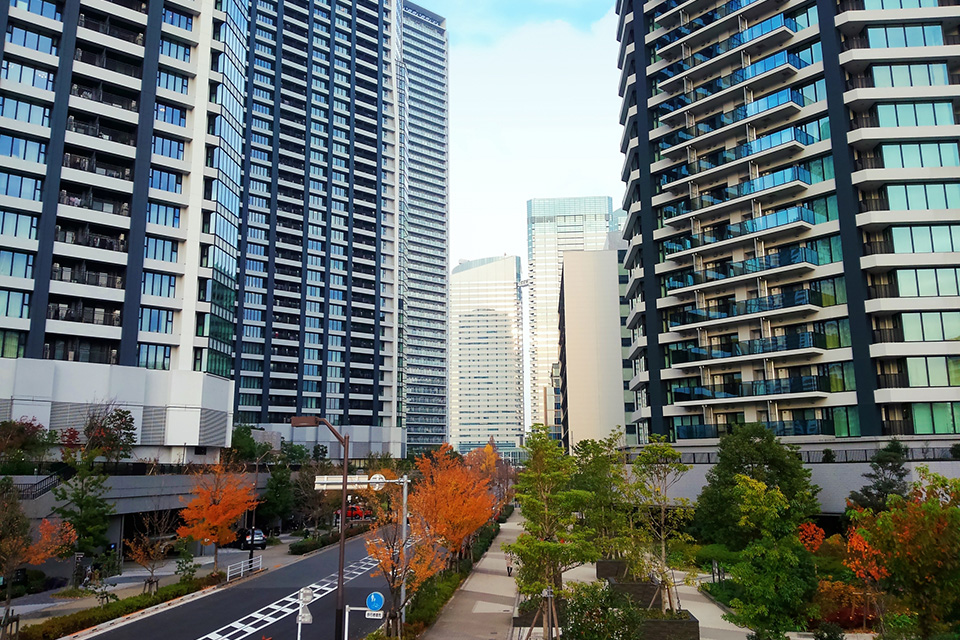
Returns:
point(533, 115)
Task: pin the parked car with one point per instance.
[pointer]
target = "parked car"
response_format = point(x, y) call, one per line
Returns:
point(259, 540)
point(356, 512)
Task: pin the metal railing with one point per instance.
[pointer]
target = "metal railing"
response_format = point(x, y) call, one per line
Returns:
point(32, 491)
point(840, 456)
point(240, 569)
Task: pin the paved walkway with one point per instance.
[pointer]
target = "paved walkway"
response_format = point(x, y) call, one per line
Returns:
point(482, 609)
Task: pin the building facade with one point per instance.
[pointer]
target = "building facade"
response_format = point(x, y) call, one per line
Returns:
point(318, 278)
point(424, 229)
point(486, 364)
point(121, 142)
point(554, 226)
point(592, 399)
point(793, 188)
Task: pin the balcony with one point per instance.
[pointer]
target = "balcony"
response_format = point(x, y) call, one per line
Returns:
point(877, 247)
point(863, 42)
point(757, 388)
point(136, 37)
point(785, 136)
point(721, 120)
point(893, 381)
point(103, 61)
point(810, 340)
point(874, 204)
point(790, 257)
point(801, 297)
point(713, 87)
point(888, 334)
point(136, 5)
point(885, 290)
point(700, 22)
point(770, 221)
point(95, 240)
point(92, 165)
point(779, 428)
point(104, 97)
point(89, 201)
point(82, 276)
point(99, 131)
point(86, 315)
point(722, 195)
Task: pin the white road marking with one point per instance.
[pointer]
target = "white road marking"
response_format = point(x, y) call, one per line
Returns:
point(263, 618)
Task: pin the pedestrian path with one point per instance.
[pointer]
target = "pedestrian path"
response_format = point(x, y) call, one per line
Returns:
point(482, 609)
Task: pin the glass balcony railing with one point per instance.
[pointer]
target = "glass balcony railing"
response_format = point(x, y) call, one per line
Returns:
point(797, 255)
point(701, 21)
point(750, 187)
point(87, 315)
point(797, 298)
point(780, 386)
point(720, 120)
point(779, 428)
point(810, 340)
point(779, 138)
point(776, 61)
point(739, 39)
point(745, 227)
point(92, 165)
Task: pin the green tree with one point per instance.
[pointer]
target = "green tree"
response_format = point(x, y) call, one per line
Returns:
point(596, 612)
point(293, 453)
point(243, 447)
point(887, 478)
point(319, 452)
point(658, 468)
point(599, 474)
point(82, 500)
point(751, 450)
point(278, 500)
point(776, 573)
point(551, 543)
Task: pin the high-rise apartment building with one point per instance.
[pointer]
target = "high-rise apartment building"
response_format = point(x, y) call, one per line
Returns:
point(318, 292)
point(793, 188)
point(486, 364)
point(423, 229)
point(554, 226)
point(121, 142)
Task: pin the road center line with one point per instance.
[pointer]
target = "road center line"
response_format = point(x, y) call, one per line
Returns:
point(252, 623)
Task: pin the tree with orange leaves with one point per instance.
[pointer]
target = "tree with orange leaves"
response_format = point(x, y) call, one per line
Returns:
point(17, 547)
point(913, 548)
point(811, 536)
point(400, 564)
point(220, 496)
point(454, 499)
point(487, 461)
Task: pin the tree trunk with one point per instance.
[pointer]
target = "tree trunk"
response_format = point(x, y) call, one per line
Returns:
point(216, 557)
point(8, 583)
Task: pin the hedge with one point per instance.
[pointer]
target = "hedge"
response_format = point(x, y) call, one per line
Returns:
point(307, 545)
point(59, 627)
point(505, 513)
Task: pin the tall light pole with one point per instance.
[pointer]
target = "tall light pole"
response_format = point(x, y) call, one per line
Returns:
point(315, 421)
point(253, 514)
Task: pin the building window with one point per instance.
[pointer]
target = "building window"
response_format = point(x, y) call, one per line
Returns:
point(154, 356)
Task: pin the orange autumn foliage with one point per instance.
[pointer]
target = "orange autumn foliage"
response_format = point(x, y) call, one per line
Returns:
point(811, 536)
point(454, 500)
point(863, 559)
point(55, 539)
point(220, 497)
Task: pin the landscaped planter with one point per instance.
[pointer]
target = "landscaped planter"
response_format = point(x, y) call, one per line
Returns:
point(524, 619)
point(611, 569)
point(645, 594)
point(688, 629)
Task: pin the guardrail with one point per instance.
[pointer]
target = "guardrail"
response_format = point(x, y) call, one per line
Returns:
point(914, 454)
point(32, 491)
point(240, 569)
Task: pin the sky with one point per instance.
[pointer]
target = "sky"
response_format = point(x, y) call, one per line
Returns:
point(534, 113)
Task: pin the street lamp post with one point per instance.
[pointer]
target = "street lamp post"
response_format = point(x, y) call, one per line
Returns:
point(314, 421)
point(253, 514)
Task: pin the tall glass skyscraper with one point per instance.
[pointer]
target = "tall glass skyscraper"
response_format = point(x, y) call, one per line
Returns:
point(318, 293)
point(423, 229)
point(793, 188)
point(121, 143)
point(486, 345)
point(556, 225)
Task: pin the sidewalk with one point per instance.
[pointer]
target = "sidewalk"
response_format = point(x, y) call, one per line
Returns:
point(36, 608)
point(482, 608)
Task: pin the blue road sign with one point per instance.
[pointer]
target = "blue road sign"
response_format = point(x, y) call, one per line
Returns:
point(375, 601)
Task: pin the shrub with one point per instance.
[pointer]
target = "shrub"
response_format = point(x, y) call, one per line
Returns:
point(828, 631)
point(59, 627)
point(723, 592)
point(828, 456)
point(955, 451)
point(307, 545)
point(683, 555)
point(724, 556)
point(505, 513)
point(431, 596)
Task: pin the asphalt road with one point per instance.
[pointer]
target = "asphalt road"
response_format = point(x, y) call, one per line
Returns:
point(265, 606)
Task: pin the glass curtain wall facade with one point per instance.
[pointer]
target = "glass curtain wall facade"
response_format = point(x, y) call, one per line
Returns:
point(556, 225)
point(423, 229)
point(121, 142)
point(318, 274)
point(486, 367)
point(793, 188)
